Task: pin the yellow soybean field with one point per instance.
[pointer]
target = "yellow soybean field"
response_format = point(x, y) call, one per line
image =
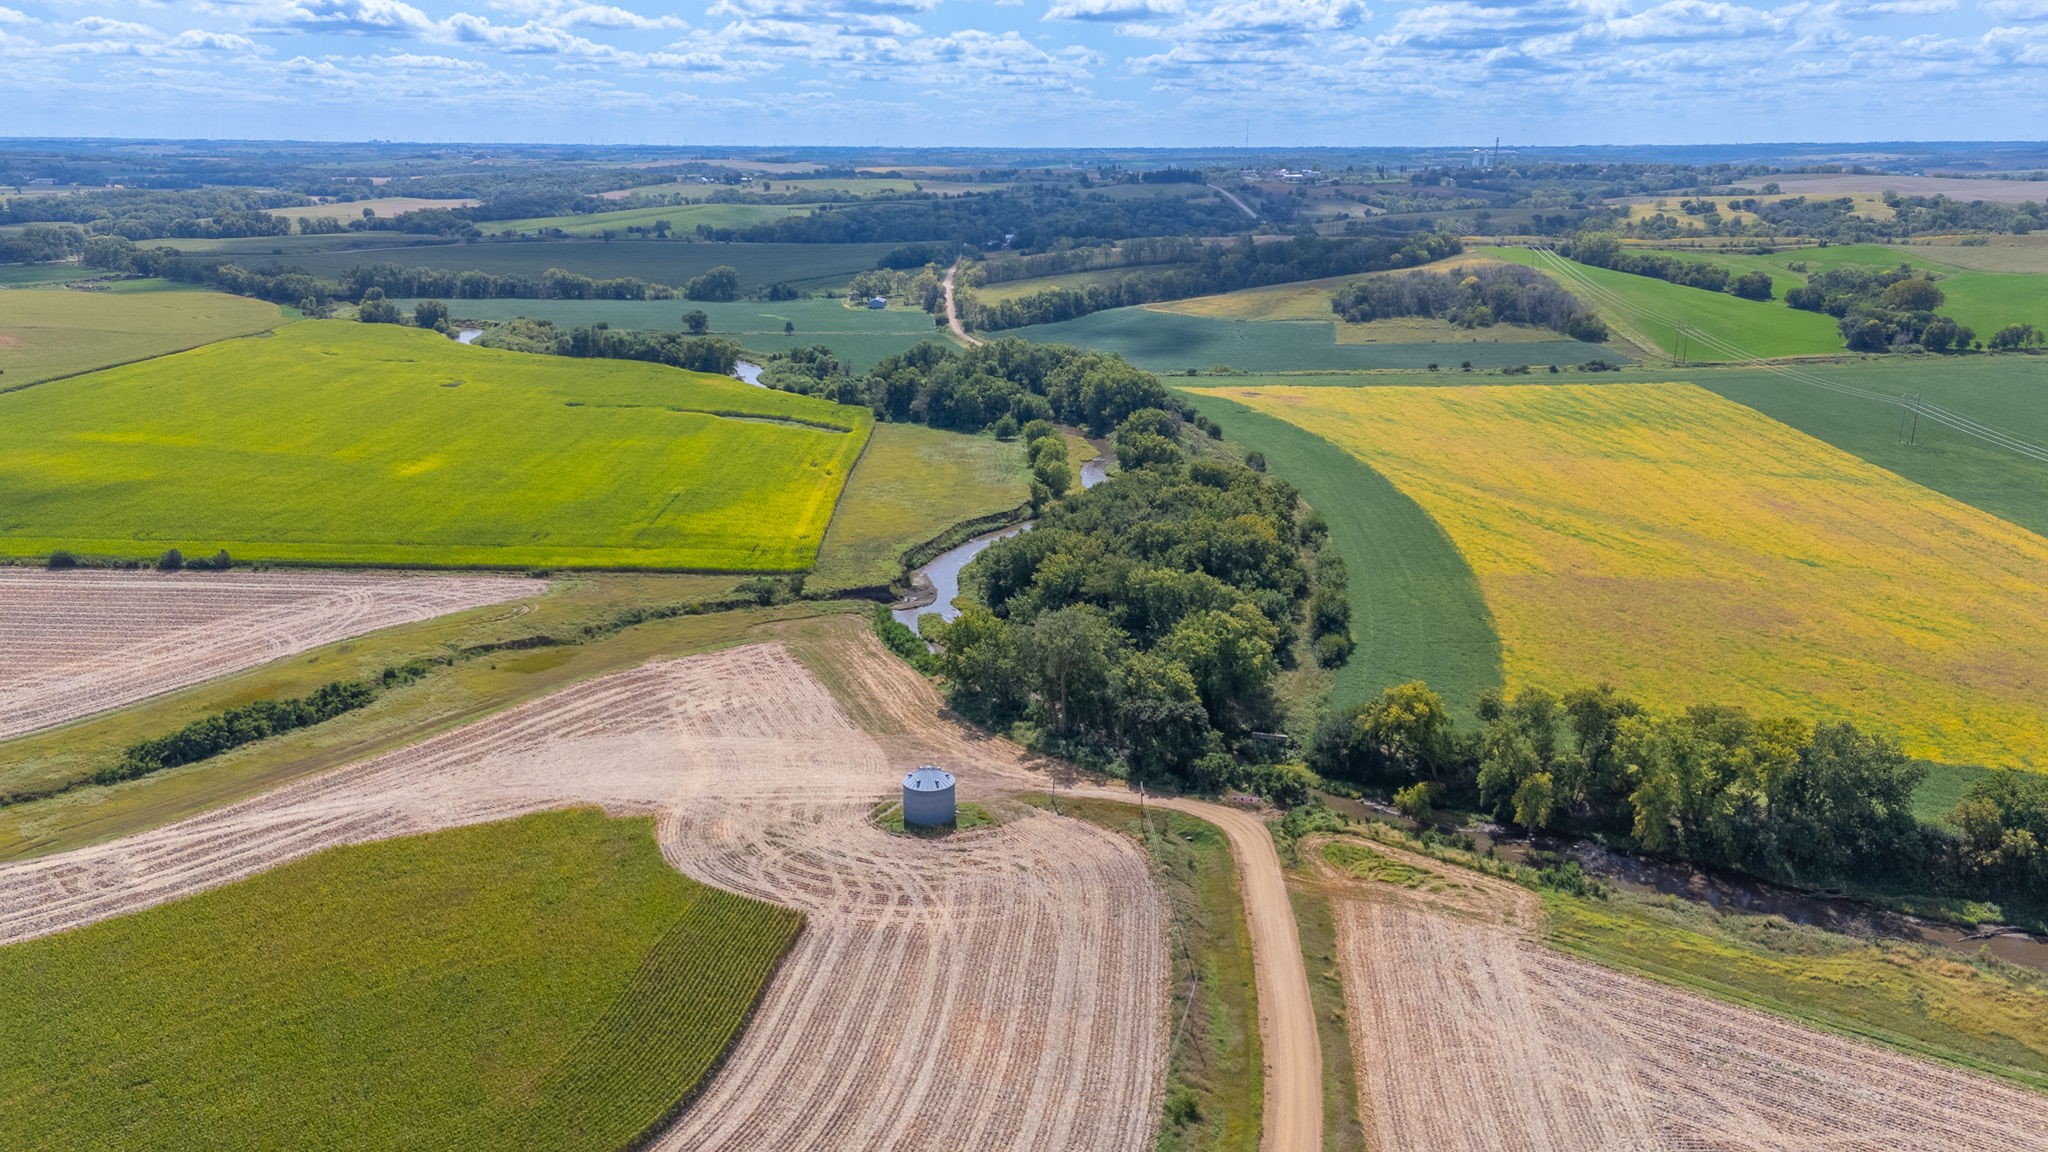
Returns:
point(1692, 550)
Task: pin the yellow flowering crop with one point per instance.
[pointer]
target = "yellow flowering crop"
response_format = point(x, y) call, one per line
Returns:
point(1691, 550)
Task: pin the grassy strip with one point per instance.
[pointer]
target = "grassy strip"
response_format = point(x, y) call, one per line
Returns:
point(547, 982)
point(916, 487)
point(1983, 1015)
point(1215, 1089)
point(452, 695)
point(1415, 604)
point(1343, 1126)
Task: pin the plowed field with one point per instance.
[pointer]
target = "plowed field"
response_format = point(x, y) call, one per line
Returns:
point(1001, 988)
point(1469, 1035)
point(76, 643)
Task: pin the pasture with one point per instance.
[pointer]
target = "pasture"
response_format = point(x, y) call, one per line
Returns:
point(811, 267)
point(340, 443)
point(32, 275)
point(912, 484)
point(52, 332)
point(1660, 314)
point(683, 218)
point(548, 981)
point(1170, 342)
point(1690, 550)
point(859, 336)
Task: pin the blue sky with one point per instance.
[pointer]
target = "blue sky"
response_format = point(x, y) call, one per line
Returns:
point(1028, 72)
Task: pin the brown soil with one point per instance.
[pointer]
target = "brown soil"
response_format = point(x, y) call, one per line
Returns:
point(75, 643)
point(1470, 1035)
point(1001, 988)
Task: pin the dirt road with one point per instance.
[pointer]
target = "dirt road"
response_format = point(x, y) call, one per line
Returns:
point(953, 313)
point(1287, 1018)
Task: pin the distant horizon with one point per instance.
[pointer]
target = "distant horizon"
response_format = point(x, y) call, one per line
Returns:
point(1839, 151)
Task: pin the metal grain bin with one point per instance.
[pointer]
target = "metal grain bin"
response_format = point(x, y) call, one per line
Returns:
point(928, 797)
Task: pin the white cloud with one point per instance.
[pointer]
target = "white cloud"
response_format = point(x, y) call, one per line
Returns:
point(607, 16)
point(1114, 11)
point(358, 17)
point(2019, 11)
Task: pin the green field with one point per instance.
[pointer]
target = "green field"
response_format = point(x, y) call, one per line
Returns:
point(1416, 610)
point(29, 275)
point(56, 332)
point(1654, 311)
point(547, 982)
point(912, 484)
point(683, 218)
point(812, 267)
point(1986, 301)
point(335, 442)
point(1171, 342)
point(860, 336)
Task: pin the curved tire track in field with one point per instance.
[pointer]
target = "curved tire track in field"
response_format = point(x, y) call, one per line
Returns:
point(76, 643)
point(1471, 1035)
point(1002, 988)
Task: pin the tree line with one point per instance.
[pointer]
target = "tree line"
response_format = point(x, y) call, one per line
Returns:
point(1217, 269)
point(1604, 250)
point(1783, 798)
point(697, 353)
point(1472, 298)
point(1001, 384)
point(1882, 310)
point(1144, 620)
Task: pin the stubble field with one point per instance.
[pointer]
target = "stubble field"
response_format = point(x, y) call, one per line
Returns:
point(1692, 551)
point(76, 643)
point(1469, 1035)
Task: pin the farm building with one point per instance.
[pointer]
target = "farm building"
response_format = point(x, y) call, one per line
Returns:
point(878, 301)
point(928, 797)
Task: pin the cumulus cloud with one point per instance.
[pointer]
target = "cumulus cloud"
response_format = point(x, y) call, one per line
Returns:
point(1114, 11)
point(357, 17)
point(2016, 11)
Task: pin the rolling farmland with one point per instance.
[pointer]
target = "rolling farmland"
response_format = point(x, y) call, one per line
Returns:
point(1983, 300)
point(1028, 958)
point(76, 643)
point(52, 332)
point(396, 446)
point(1692, 551)
point(548, 981)
point(684, 218)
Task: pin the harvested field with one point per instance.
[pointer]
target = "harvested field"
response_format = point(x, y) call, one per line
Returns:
point(1469, 1035)
point(1001, 988)
point(76, 643)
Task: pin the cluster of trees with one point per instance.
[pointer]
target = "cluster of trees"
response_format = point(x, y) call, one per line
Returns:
point(698, 353)
point(247, 723)
point(1778, 797)
point(1145, 619)
point(38, 243)
point(1216, 269)
point(1474, 298)
point(148, 214)
point(1880, 311)
point(1604, 250)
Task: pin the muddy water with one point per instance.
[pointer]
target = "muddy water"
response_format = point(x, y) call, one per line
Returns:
point(468, 335)
point(749, 372)
point(942, 578)
point(1095, 471)
point(1734, 893)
